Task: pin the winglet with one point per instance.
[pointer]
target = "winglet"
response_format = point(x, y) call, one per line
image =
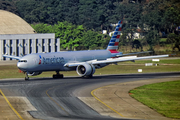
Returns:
point(114, 41)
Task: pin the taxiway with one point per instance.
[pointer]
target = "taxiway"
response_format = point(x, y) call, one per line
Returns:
point(54, 99)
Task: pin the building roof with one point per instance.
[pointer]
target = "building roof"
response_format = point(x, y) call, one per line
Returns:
point(13, 24)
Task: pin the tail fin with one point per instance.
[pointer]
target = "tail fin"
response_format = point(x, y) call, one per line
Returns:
point(113, 43)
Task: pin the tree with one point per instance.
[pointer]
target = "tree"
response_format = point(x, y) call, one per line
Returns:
point(137, 45)
point(65, 31)
point(74, 37)
point(91, 40)
point(8, 6)
point(174, 40)
point(152, 39)
point(43, 28)
point(31, 10)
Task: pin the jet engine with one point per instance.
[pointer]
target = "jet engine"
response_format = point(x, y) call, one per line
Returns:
point(85, 70)
point(34, 73)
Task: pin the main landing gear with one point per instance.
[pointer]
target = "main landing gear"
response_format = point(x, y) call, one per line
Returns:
point(57, 75)
point(88, 76)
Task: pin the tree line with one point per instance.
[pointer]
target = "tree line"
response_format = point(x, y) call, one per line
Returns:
point(154, 18)
point(74, 37)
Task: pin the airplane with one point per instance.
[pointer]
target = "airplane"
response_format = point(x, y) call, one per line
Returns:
point(84, 62)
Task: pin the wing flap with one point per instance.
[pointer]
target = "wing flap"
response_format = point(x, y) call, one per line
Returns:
point(73, 64)
point(78, 63)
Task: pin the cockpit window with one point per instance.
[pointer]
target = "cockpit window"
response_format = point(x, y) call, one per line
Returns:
point(22, 60)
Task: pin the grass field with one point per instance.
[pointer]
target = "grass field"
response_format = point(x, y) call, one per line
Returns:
point(170, 65)
point(162, 97)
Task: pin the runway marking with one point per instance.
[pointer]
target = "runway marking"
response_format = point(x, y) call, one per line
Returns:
point(11, 105)
point(54, 100)
point(92, 93)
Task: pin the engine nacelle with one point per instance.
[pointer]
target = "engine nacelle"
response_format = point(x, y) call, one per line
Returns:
point(34, 73)
point(85, 70)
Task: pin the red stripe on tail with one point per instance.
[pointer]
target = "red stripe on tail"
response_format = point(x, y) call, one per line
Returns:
point(116, 43)
point(113, 51)
point(118, 36)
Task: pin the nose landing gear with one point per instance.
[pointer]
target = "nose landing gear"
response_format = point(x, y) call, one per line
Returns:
point(57, 75)
point(26, 77)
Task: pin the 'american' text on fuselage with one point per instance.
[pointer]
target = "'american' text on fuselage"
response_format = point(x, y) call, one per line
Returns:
point(52, 60)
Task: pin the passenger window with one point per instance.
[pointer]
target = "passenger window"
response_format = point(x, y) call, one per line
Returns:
point(22, 60)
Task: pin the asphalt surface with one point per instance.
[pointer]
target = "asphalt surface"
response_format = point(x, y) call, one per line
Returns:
point(56, 99)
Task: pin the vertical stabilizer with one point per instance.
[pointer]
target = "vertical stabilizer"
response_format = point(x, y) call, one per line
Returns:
point(114, 42)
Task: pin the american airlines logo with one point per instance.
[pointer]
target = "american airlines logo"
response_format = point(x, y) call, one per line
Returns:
point(53, 60)
point(39, 60)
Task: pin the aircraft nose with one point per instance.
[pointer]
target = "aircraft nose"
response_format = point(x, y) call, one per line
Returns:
point(20, 66)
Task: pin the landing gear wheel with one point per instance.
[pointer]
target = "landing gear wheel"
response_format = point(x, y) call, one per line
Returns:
point(57, 75)
point(88, 76)
point(26, 78)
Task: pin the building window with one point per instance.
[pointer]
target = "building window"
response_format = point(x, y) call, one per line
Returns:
point(17, 50)
point(49, 42)
point(43, 47)
point(24, 47)
point(37, 45)
point(4, 48)
point(56, 46)
point(30, 46)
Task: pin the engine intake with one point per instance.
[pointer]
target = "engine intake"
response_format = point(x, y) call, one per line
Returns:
point(85, 70)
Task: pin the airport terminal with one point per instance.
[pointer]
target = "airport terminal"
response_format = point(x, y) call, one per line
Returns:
point(18, 38)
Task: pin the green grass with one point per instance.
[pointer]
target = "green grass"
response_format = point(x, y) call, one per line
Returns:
point(162, 97)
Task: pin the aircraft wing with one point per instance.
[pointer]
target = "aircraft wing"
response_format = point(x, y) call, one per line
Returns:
point(13, 57)
point(114, 60)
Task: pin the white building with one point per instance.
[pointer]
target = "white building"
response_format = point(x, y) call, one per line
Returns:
point(22, 44)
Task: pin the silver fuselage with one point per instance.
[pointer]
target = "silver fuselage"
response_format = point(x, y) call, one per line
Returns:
point(55, 61)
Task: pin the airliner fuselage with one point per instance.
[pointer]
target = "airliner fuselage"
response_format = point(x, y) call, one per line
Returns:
point(56, 61)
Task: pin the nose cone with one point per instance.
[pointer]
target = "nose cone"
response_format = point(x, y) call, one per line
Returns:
point(21, 66)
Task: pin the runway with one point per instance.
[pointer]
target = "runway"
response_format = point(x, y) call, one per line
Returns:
point(56, 99)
